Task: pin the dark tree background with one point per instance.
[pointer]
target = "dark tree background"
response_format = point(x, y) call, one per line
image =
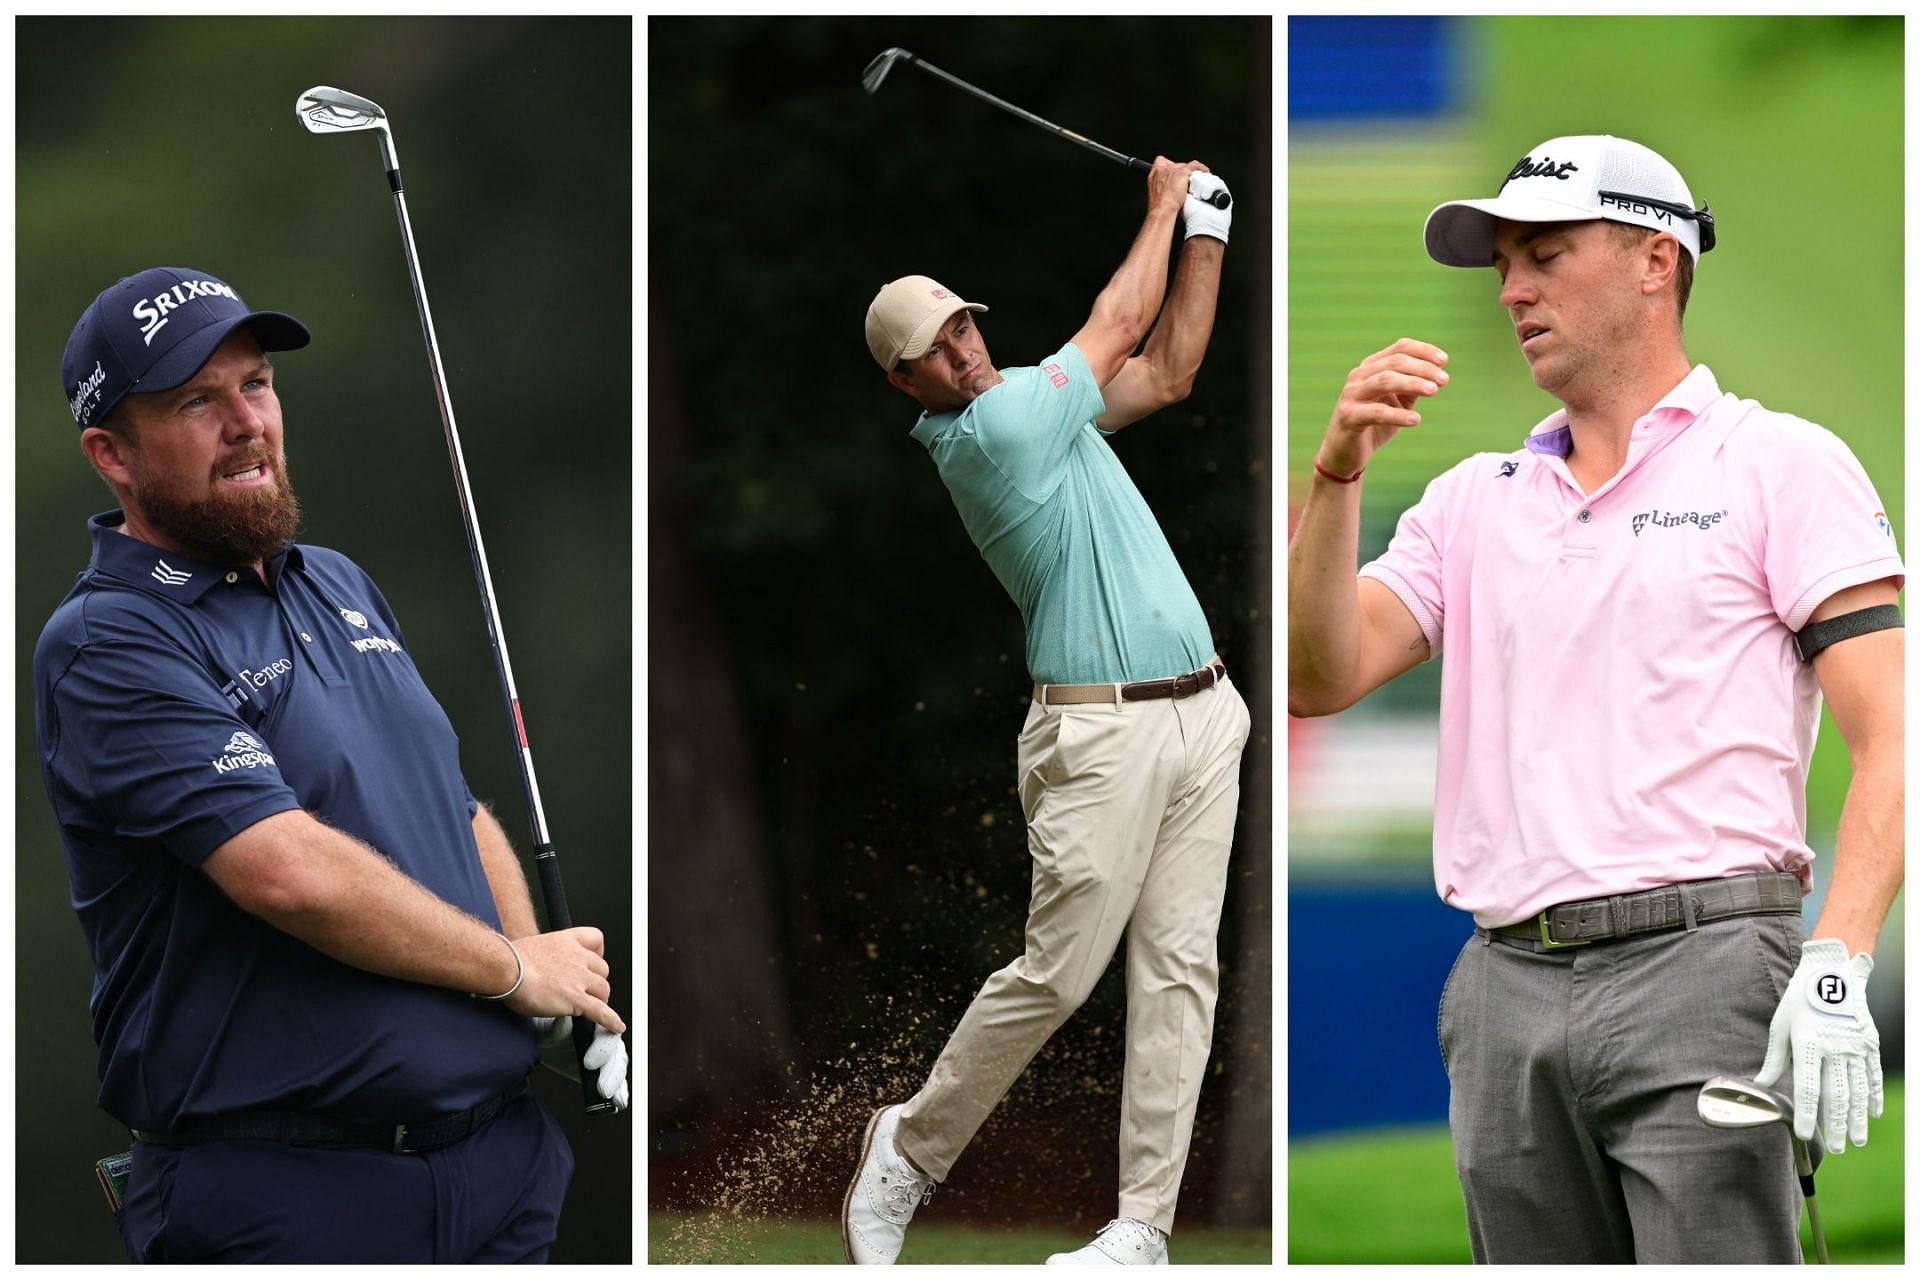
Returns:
point(836, 852)
point(143, 142)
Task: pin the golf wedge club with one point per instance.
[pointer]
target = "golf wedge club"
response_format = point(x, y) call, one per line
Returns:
point(324, 109)
point(877, 70)
point(1734, 1102)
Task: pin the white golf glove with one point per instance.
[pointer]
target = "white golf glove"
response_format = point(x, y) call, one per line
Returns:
point(1202, 218)
point(1824, 1026)
point(607, 1056)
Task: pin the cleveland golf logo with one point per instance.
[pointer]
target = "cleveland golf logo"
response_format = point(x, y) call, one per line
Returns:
point(1832, 989)
point(85, 393)
point(243, 751)
point(154, 310)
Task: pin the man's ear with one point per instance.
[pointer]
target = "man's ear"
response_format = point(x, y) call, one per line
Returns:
point(108, 454)
point(904, 381)
point(1663, 261)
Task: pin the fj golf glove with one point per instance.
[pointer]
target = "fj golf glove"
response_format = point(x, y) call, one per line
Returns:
point(607, 1056)
point(1823, 1026)
point(1202, 218)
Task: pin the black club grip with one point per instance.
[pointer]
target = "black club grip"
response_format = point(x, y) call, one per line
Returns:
point(560, 917)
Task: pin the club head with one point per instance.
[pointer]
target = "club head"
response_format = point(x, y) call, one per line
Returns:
point(325, 109)
point(877, 69)
point(1733, 1102)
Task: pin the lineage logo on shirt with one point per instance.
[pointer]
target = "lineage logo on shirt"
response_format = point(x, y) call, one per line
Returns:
point(243, 751)
point(1658, 519)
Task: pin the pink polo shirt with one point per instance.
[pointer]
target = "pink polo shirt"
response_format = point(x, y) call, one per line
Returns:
point(1621, 705)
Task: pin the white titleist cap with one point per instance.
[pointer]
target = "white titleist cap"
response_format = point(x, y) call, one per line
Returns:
point(906, 316)
point(1576, 179)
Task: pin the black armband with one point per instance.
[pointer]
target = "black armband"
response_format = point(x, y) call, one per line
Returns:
point(1815, 636)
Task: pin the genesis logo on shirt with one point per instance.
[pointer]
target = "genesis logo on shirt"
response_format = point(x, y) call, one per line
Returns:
point(243, 751)
point(1659, 519)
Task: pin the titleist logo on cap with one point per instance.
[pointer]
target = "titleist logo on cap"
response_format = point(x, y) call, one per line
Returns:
point(1545, 168)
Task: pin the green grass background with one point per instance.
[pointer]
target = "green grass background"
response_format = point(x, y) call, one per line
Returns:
point(1393, 1197)
point(680, 1238)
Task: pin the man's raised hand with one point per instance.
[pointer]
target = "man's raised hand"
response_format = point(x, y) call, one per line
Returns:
point(1377, 402)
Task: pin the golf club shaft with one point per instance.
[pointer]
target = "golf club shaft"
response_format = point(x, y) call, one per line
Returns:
point(1803, 1166)
point(544, 859)
point(1219, 199)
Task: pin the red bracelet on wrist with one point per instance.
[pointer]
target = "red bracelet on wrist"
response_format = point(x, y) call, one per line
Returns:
point(1338, 479)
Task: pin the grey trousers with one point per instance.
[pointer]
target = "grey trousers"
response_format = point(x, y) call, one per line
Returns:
point(1574, 1078)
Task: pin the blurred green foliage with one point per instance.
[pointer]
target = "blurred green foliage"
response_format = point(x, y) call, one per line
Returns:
point(182, 149)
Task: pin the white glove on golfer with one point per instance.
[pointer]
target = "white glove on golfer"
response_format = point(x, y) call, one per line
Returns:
point(1823, 1024)
point(1202, 218)
point(607, 1056)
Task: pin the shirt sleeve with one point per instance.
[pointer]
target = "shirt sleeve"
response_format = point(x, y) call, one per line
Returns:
point(147, 748)
point(1826, 529)
point(1412, 567)
point(1027, 425)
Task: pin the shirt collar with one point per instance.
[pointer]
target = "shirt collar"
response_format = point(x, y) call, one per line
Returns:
point(1675, 410)
point(170, 575)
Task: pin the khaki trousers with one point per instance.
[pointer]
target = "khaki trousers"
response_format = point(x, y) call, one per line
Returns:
point(1130, 810)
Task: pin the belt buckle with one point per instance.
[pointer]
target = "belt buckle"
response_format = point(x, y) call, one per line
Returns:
point(400, 1139)
point(1186, 686)
point(1546, 937)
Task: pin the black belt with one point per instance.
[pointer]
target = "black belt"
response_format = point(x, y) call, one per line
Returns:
point(1676, 906)
point(308, 1129)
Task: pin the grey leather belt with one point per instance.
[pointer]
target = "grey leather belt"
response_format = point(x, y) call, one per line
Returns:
point(1677, 906)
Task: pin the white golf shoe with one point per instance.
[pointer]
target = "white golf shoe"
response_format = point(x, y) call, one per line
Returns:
point(883, 1195)
point(1127, 1241)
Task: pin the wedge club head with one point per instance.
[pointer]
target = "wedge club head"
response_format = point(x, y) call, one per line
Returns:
point(1734, 1102)
point(325, 109)
point(877, 69)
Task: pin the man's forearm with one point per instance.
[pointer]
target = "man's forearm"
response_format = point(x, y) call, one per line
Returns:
point(1132, 298)
point(504, 875)
point(345, 900)
point(1323, 599)
point(1179, 341)
point(1869, 853)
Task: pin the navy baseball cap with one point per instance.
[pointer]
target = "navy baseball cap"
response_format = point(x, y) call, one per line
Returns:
point(153, 331)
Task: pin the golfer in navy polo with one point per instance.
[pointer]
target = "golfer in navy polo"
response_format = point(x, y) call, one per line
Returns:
point(319, 986)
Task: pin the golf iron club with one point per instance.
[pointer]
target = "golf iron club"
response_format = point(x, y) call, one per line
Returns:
point(1733, 1102)
point(323, 109)
point(877, 70)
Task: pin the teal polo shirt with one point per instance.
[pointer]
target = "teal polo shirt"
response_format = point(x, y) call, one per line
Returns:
point(1056, 517)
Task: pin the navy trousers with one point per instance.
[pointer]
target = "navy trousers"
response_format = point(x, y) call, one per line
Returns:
point(492, 1197)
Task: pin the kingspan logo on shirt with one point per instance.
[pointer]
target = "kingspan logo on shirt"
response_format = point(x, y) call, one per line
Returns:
point(243, 751)
point(1658, 519)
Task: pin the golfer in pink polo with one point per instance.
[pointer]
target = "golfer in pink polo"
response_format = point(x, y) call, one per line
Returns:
point(1640, 610)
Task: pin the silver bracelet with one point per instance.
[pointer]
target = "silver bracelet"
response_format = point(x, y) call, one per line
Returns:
point(518, 978)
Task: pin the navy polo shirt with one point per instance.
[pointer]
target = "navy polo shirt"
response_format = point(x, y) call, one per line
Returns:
point(178, 703)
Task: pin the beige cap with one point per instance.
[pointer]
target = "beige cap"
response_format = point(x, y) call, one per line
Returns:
point(907, 315)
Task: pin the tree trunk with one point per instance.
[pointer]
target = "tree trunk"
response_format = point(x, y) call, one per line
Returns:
point(717, 1016)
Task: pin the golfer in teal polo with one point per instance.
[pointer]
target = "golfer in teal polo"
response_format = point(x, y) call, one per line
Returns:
point(1129, 762)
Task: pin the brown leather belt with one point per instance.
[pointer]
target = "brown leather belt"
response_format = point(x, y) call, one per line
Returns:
point(1674, 906)
point(1053, 695)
